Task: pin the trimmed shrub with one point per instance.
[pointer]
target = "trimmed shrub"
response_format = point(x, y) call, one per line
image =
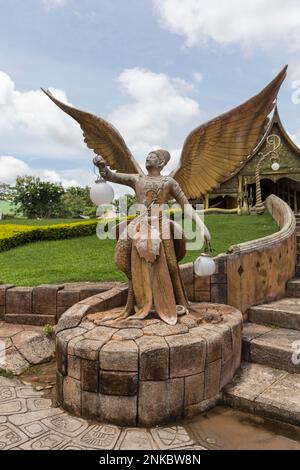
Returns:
point(12, 235)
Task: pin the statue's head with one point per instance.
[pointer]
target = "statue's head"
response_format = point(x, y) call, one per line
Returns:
point(157, 159)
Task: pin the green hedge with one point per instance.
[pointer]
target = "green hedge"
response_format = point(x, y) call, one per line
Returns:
point(16, 235)
point(13, 235)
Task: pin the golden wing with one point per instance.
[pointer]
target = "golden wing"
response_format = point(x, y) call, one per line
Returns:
point(102, 137)
point(214, 150)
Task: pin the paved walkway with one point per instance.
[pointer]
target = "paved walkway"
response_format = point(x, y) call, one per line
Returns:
point(29, 421)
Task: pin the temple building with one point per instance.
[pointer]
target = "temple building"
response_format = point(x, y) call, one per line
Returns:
point(276, 160)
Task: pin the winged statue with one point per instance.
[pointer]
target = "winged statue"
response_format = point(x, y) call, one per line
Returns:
point(210, 154)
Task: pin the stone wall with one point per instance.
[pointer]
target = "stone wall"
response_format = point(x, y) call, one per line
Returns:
point(45, 303)
point(253, 272)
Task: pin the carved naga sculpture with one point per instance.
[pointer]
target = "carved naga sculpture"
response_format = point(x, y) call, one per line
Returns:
point(210, 154)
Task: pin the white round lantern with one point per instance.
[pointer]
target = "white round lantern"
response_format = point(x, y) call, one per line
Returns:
point(204, 265)
point(275, 166)
point(101, 192)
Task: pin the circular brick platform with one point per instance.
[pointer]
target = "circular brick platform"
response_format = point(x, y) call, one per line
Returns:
point(146, 372)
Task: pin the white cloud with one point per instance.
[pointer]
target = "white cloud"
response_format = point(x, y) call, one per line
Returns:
point(12, 167)
point(52, 4)
point(198, 76)
point(259, 23)
point(160, 107)
point(33, 114)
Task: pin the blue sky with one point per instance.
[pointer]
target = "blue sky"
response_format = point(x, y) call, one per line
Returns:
point(156, 69)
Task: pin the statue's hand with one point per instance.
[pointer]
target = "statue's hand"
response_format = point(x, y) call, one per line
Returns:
point(99, 162)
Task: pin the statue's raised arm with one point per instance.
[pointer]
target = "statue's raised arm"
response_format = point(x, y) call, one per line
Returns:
point(114, 177)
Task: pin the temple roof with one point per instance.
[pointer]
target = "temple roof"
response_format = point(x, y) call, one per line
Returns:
point(275, 120)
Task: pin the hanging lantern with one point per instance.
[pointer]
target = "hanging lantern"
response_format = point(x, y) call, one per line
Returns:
point(101, 192)
point(204, 265)
point(275, 166)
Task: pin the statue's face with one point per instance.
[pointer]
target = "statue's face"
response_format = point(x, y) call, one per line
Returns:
point(152, 161)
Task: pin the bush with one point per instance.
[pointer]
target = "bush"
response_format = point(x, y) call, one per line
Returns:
point(16, 235)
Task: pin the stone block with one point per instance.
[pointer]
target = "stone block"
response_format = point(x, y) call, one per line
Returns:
point(33, 319)
point(19, 300)
point(2, 312)
point(218, 278)
point(119, 355)
point(202, 295)
point(202, 283)
point(218, 293)
point(3, 290)
point(100, 333)
point(44, 299)
point(221, 264)
point(118, 383)
point(74, 367)
point(197, 408)
point(162, 329)
point(182, 349)
point(72, 317)
point(88, 349)
point(72, 395)
point(59, 387)
point(72, 345)
point(227, 372)
point(62, 340)
point(236, 333)
point(59, 312)
point(194, 389)
point(67, 298)
point(161, 401)
point(227, 346)
point(90, 406)
point(118, 409)
point(212, 379)
point(88, 291)
point(89, 375)
point(154, 358)
point(213, 341)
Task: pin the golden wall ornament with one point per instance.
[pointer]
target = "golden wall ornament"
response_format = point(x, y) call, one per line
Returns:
point(275, 142)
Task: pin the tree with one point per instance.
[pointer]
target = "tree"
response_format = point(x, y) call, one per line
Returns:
point(123, 204)
point(37, 199)
point(5, 191)
point(76, 201)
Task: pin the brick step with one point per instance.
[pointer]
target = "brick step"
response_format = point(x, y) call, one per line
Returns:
point(270, 346)
point(284, 313)
point(265, 391)
point(24, 319)
point(293, 287)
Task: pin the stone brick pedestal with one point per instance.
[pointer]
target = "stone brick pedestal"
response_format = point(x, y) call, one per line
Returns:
point(134, 372)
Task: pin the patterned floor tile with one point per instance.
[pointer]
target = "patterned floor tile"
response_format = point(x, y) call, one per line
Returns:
point(18, 405)
point(7, 393)
point(49, 441)
point(135, 439)
point(11, 436)
point(36, 404)
point(66, 425)
point(171, 437)
point(99, 437)
point(28, 392)
point(34, 429)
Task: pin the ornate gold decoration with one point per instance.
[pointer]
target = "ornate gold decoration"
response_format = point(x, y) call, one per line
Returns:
point(274, 141)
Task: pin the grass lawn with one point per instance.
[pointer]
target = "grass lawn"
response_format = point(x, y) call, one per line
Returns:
point(91, 259)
